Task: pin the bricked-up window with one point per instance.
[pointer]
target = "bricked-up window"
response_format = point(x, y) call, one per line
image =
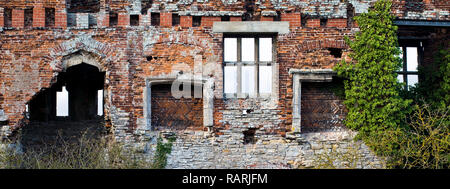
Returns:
point(175, 19)
point(28, 14)
point(408, 73)
point(155, 19)
point(248, 64)
point(134, 20)
point(113, 19)
point(196, 21)
point(49, 17)
point(7, 17)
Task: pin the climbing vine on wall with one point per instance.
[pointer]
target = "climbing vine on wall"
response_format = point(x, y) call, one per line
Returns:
point(371, 88)
point(397, 124)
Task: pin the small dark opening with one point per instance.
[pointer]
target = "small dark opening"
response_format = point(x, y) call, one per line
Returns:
point(350, 14)
point(49, 17)
point(225, 18)
point(149, 58)
point(196, 21)
point(303, 20)
point(83, 6)
point(145, 5)
point(323, 22)
point(175, 19)
point(113, 19)
point(337, 53)
point(28, 14)
point(277, 17)
point(134, 20)
point(7, 17)
point(155, 19)
point(249, 136)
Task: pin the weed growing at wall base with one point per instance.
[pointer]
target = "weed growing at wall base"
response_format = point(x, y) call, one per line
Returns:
point(84, 154)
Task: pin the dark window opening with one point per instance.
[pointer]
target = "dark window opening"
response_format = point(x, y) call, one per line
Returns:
point(83, 6)
point(249, 6)
point(196, 21)
point(7, 17)
point(303, 20)
point(323, 22)
point(134, 20)
point(49, 17)
point(337, 53)
point(249, 136)
point(350, 15)
point(113, 19)
point(175, 19)
point(149, 58)
point(155, 19)
point(28, 14)
point(225, 18)
point(145, 5)
point(277, 17)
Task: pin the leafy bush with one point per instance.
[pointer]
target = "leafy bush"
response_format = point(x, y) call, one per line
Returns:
point(425, 144)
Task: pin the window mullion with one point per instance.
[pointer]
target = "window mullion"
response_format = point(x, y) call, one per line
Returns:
point(405, 67)
point(256, 90)
point(239, 68)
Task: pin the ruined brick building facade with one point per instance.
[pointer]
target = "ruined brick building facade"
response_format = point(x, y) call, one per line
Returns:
point(263, 69)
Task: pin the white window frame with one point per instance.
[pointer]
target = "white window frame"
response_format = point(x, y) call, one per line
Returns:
point(404, 73)
point(256, 63)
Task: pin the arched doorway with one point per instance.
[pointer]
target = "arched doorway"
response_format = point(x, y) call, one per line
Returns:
point(71, 108)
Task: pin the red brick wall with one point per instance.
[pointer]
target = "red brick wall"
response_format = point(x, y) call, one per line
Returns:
point(186, 21)
point(266, 18)
point(235, 18)
point(18, 18)
point(123, 20)
point(2, 19)
point(165, 19)
point(60, 19)
point(207, 21)
point(338, 23)
point(38, 17)
point(313, 23)
point(294, 19)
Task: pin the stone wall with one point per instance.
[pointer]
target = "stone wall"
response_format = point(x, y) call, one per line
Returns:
point(199, 150)
point(259, 129)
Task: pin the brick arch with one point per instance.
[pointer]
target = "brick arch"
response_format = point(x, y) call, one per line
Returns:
point(311, 45)
point(82, 48)
point(175, 37)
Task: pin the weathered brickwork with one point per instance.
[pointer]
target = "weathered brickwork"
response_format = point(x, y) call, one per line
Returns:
point(135, 43)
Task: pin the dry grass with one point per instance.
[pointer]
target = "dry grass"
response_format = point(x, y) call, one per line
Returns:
point(86, 153)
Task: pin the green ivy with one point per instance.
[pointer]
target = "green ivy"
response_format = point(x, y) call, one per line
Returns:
point(162, 150)
point(371, 89)
point(434, 87)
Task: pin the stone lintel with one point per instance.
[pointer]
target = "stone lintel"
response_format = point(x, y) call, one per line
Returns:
point(251, 27)
point(313, 75)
